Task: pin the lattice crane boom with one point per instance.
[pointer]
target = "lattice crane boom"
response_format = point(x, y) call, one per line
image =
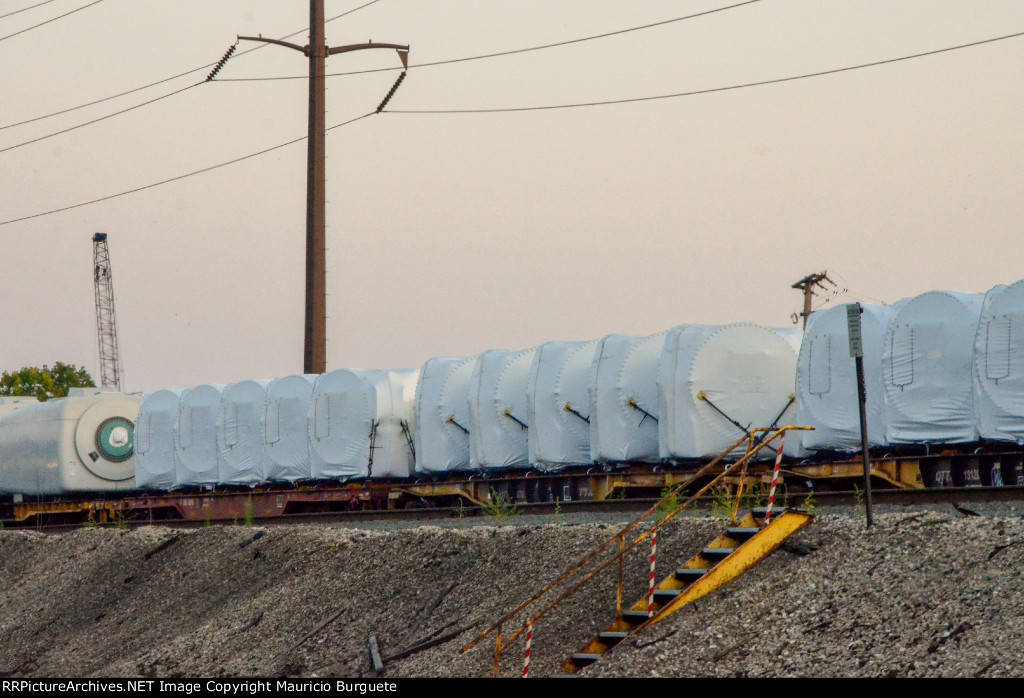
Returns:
point(106, 322)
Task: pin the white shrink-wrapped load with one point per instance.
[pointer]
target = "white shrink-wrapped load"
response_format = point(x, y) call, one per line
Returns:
point(285, 430)
point(999, 365)
point(716, 382)
point(441, 415)
point(624, 399)
point(558, 407)
point(82, 443)
point(359, 424)
point(498, 427)
point(826, 380)
point(155, 453)
point(926, 368)
point(240, 434)
point(195, 426)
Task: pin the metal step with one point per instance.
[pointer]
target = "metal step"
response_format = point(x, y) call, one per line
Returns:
point(663, 596)
point(690, 574)
point(742, 533)
point(716, 553)
point(610, 637)
point(582, 659)
point(634, 617)
point(759, 512)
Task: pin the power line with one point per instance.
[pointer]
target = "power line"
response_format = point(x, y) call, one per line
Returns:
point(511, 51)
point(102, 118)
point(30, 7)
point(36, 26)
point(709, 90)
point(179, 177)
point(173, 77)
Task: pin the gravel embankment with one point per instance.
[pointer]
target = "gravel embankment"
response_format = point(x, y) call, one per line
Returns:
point(922, 594)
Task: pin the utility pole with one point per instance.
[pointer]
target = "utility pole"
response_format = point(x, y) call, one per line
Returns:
point(315, 346)
point(807, 285)
point(106, 322)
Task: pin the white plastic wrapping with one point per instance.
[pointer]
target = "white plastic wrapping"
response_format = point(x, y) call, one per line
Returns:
point(155, 452)
point(711, 375)
point(927, 363)
point(826, 380)
point(558, 405)
point(498, 412)
point(239, 433)
point(999, 365)
point(441, 415)
point(81, 443)
point(359, 424)
point(285, 430)
point(624, 399)
point(195, 430)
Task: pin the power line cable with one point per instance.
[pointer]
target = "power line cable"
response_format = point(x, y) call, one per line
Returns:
point(697, 92)
point(709, 90)
point(511, 51)
point(179, 177)
point(173, 77)
point(54, 19)
point(97, 120)
point(30, 7)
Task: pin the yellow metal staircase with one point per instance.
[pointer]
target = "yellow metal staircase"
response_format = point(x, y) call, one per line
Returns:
point(743, 545)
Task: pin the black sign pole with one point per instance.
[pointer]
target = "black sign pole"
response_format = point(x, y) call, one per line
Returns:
point(853, 313)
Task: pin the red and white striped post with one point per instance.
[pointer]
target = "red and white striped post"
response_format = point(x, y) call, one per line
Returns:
point(650, 593)
point(529, 641)
point(775, 480)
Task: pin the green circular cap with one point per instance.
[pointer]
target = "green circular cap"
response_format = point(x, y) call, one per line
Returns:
point(115, 439)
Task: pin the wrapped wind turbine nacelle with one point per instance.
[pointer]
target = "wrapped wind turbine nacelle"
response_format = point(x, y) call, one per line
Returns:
point(195, 429)
point(441, 415)
point(999, 365)
point(72, 444)
point(558, 406)
point(826, 380)
point(239, 433)
point(285, 429)
point(155, 452)
point(927, 369)
point(717, 382)
point(498, 411)
point(359, 424)
point(624, 399)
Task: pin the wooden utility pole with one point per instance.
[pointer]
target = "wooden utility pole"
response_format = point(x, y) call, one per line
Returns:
point(807, 285)
point(314, 357)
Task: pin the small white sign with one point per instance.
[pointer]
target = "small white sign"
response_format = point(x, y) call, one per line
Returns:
point(853, 311)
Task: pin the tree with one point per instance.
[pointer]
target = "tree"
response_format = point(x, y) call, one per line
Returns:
point(45, 383)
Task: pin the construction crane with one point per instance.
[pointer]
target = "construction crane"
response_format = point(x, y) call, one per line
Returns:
point(106, 323)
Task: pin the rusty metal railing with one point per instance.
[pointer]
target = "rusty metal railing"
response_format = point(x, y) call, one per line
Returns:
point(753, 448)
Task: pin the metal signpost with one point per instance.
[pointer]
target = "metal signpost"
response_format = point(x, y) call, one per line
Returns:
point(853, 313)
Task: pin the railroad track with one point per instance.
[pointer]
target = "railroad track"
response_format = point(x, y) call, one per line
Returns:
point(822, 500)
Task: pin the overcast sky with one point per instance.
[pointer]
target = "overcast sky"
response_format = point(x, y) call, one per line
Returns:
point(450, 234)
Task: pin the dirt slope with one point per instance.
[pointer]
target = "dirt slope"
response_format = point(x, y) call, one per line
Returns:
point(924, 594)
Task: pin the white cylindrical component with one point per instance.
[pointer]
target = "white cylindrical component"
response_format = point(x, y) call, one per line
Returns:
point(285, 429)
point(359, 424)
point(239, 432)
point(999, 365)
point(712, 379)
point(155, 452)
point(559, 404)
point(441, 415)
point(73, 444)
point(927, 362)
point(624, 399)
point(498, 426)
point(826, 380)
point(195, 429)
